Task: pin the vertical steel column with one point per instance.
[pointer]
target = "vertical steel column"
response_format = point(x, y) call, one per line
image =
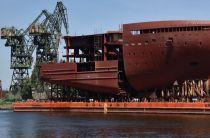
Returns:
point(1, 92)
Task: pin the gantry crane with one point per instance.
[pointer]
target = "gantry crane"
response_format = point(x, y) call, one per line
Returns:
point(43, 35)
point(1, 91)
point(46, 33)
point(21, 57)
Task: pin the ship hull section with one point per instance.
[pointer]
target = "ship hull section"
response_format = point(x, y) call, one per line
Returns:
point(156, 60)
point(103, 79)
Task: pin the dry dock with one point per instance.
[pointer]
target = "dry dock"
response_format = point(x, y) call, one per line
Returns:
point(115, 107)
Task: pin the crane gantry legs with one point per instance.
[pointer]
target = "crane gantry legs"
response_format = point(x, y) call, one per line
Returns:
point(43, 35)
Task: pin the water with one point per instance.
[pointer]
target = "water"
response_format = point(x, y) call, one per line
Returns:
point(31, 125)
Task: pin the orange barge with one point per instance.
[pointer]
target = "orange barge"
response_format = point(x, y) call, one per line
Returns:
point(115, 107)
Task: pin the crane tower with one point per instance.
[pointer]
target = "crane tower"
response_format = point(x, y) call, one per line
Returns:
point(43, 36)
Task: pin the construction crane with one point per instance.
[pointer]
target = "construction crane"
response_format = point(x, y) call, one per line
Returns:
point(1, 91)
point(43, 35)
point(46, 33)
point(21, 57)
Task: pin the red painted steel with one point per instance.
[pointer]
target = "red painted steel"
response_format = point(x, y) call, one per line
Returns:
point(99, 73)
point(103, 79)
point(158, 53)
point(154, 54)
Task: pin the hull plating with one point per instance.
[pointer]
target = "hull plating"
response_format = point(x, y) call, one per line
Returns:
point(155, 54)
point(157, 59)
point(103, 79)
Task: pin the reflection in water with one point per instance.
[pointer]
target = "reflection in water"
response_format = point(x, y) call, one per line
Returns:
point(102, 125)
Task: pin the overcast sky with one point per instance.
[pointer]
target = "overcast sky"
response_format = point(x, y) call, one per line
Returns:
point(89, 16)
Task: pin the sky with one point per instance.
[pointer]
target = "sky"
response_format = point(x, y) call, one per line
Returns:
point(95, 16)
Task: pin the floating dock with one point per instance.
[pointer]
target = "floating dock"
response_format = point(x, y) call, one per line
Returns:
point(115, 107)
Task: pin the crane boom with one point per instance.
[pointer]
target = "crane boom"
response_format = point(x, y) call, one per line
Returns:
point(43, 36)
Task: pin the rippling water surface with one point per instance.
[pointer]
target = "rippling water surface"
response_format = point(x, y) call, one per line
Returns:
point(102, 125)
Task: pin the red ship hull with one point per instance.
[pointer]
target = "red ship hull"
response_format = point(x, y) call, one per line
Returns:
point(103, 79)
point(158, 58)
point(155, 54)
